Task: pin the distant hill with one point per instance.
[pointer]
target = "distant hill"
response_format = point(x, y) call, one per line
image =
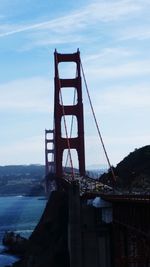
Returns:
point(25, 170)
point(95, 173)
point(21, 179)
point(133, 172)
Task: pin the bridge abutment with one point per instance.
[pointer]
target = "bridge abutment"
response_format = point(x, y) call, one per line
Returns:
point(89, 236)
point(74, 226)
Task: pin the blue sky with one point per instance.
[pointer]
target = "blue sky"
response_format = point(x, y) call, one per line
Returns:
point(114, 41)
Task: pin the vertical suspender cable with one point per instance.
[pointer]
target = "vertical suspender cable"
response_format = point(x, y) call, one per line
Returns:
point(99, 133)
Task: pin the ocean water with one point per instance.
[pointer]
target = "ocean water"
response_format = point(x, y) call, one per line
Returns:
point(19, 214)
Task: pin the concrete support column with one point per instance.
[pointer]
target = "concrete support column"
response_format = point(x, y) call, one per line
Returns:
point(74, 235)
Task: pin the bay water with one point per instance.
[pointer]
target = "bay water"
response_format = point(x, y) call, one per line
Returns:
point(19, 214)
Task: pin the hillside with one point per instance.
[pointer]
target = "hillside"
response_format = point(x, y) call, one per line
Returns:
point(133, 172)
point(21, 180)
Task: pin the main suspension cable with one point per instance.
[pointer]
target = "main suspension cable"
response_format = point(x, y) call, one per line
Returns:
point(99, 133)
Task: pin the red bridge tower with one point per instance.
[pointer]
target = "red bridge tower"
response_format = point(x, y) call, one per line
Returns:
point(61, 143)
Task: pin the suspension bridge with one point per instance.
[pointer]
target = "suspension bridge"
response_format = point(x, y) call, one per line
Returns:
point(59, 142)
point(125, 241)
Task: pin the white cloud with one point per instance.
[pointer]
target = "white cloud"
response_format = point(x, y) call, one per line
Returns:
point(124, 99)
point(138, 32)
point(26, 95)
point(45, 39)
point(117, 147)
point(128, 96)
point(141, 140)
point(120, 146)
point(27, 151)
point(119, 70)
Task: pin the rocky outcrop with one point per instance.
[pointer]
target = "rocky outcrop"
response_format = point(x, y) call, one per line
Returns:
point(14, 243)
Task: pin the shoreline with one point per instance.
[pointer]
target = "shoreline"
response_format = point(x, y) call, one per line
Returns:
point(14, 195)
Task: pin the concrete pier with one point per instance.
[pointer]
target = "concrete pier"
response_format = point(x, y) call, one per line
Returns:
point(89, 237)
point(74, 226)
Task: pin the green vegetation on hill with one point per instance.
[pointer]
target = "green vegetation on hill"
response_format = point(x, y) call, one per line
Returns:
point(133, 172)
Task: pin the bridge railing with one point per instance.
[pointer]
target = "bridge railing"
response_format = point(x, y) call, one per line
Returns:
point(129, 197)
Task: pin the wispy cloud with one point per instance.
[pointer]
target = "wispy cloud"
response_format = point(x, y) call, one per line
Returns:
point(119, 70)
point(117, 147)
point(45, 39)
point(26, 95)
point(108, 51)
point(14, 29)
point(128, 140)
point(124, 98)
point(140, 32)
point(125, 144)
point(96, 12)
point(108, 55)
